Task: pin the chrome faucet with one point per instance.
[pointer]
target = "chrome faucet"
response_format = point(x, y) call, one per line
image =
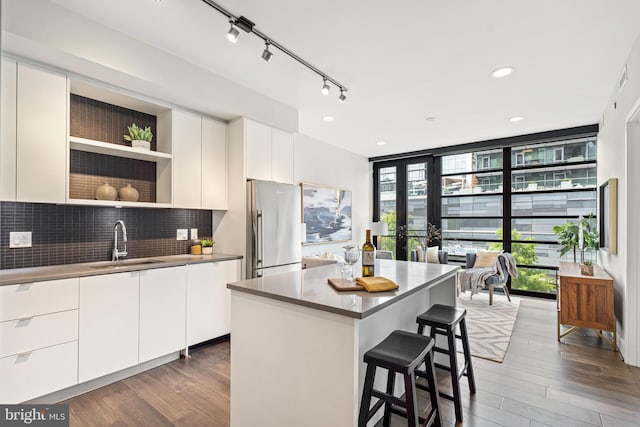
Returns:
point(116, 254)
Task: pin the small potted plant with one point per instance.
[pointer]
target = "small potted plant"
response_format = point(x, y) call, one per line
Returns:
point(139, 138)
point(207, 246)
point(586, 268)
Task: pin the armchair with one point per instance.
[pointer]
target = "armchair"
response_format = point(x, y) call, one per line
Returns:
point(494, 280)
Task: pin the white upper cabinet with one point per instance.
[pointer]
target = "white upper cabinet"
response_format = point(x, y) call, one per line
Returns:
point(41, 134)
point(8, 78)
point(186, 130)
point(258, 151)
point(199, 161)
point(214, 164)
point(281, 156)
point(269, 153)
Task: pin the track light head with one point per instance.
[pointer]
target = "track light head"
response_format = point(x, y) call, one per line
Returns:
point(266, 54)
point(233, 34)
point(325, 87)
point(342, 97)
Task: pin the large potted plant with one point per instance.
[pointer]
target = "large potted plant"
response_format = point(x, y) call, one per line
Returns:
point(139, 138)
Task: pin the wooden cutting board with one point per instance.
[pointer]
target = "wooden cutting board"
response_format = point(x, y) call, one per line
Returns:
point(343, 285)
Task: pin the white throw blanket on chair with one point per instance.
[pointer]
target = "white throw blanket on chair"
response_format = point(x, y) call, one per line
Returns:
point(473, 279)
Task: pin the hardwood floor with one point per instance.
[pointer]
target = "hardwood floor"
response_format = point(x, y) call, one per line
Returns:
point(580, 382)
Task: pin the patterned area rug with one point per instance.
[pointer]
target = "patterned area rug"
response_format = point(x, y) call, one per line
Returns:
point(489, 326)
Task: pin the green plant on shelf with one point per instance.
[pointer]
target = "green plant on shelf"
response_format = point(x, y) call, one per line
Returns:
point(139, 134)
point(207, 243)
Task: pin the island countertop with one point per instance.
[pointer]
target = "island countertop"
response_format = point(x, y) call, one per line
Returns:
point(309, 287)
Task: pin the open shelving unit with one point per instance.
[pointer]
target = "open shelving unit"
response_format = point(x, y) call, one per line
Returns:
point(102, 113)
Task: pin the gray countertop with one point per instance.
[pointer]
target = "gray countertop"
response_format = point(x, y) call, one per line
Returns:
point(310, 288)
point(65, 271)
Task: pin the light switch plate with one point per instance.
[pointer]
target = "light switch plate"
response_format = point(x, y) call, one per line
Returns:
point(20, 239)
point(182, 234)
point(194, 234)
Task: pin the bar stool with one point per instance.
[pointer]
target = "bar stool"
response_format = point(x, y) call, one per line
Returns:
point(401, 352)
point(443, 320)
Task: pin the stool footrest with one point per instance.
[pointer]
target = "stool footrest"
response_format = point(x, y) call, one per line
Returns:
point(388, 398)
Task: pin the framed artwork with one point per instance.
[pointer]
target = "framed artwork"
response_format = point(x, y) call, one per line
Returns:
point(327, 214)
point(609, 216)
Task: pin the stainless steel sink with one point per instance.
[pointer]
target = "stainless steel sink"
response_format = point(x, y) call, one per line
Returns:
point(123, 264)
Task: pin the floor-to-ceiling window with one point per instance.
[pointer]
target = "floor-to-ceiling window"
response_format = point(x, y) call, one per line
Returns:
point(472, 202)
point(551, 184)
point(507, 197)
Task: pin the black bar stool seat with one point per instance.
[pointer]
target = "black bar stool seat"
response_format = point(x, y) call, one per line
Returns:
point(401, 352)
point(443, 320)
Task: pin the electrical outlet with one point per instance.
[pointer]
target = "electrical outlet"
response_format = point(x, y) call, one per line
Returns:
point(20, 239)
point(194, 234)
point(182, 234)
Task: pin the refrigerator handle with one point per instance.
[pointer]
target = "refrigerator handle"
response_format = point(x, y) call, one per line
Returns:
point(259, 238)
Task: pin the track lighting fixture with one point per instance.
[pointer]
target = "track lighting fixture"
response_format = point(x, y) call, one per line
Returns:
point(247, 26)
point(233, 34)
point(342, 97)
point(266, 54)
point(325, 87)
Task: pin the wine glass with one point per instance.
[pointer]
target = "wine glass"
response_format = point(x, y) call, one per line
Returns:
point(351, 256)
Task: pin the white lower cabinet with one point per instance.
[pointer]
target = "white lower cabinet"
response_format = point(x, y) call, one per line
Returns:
point(162, 311)
point(32, 374)
point(31, 333)
point(108, 339)
point(208, 314)
point(59, 333)
point(38, 339)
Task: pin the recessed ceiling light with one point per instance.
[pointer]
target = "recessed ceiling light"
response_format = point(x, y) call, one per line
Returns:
point(502, 72)
point(516, 119)
point(430, 119)
point(328, 118)
point(380, 142)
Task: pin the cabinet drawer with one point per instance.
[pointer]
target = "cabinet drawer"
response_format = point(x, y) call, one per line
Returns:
point(32, 299)
point(19, 336)
point(39, 372)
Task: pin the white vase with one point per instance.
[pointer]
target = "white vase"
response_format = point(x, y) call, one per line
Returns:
point(128, 194)
point(207, 250)
point(143, 145)
point(106, 192)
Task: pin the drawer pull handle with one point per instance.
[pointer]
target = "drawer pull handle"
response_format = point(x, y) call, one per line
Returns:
point(24, 287)
point(23, 357)
point(24, 321)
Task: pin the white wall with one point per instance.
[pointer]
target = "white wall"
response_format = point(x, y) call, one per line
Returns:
point(316, 162)
point(618, 157)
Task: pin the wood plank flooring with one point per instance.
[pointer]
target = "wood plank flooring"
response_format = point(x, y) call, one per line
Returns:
point(580, 382)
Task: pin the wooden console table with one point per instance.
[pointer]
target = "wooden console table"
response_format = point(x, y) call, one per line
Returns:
point(586, 302)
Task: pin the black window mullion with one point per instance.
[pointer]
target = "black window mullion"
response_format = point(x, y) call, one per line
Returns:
point(506, 201)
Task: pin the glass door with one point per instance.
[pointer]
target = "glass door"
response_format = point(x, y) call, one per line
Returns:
point(401, 197)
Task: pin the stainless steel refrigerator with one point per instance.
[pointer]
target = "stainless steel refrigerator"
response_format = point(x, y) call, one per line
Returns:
point(273, 235)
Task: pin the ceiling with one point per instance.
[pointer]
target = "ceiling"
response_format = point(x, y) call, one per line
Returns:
point(404, 61)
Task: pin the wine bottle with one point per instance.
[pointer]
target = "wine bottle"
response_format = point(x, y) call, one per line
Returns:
point(368, 257)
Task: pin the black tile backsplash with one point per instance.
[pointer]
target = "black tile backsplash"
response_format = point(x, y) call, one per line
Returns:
point(66, 234)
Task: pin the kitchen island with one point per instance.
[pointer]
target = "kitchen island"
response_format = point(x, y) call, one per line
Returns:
point(297, 344)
